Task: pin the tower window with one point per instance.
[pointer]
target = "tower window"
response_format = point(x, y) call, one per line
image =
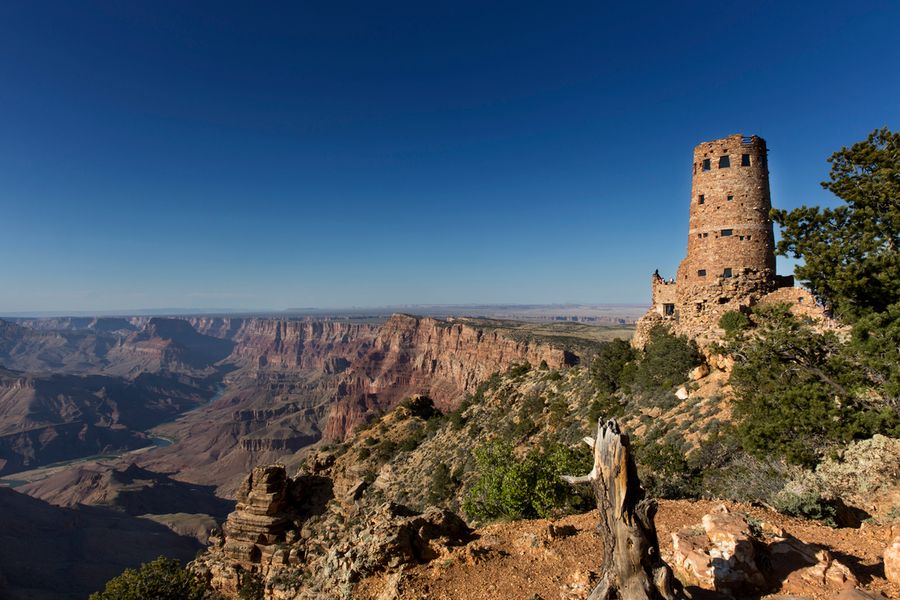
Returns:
point(730, 198)
point(706, 235)
point(699, 306)
point(701, 273)
point(668, 309)
point(726, 232)
point(701, 199)
point(706, 164)
point(724, 162)
point(727, 272)
point(745, 160)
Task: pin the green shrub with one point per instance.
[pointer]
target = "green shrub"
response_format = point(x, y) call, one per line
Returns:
point(507, 488)
point(808, 505)
point(441, 483)
point(386, 450)
point(519, 369)
point(608, 365)
point(161, 579)
point(559, 408)
point(665, 472)
point(251, 588)
point(733, 322)
point(666, 361)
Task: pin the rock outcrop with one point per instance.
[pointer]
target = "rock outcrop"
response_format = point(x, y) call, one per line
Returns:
point(727, 554)
point(892, 562)
point(260, 520)
point(720, 555)
point(279, 538)
point(254, 535)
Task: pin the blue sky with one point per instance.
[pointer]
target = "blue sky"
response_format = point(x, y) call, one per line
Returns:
point(338, 154)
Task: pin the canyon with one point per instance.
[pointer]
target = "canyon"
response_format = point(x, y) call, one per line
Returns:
point(151, 423)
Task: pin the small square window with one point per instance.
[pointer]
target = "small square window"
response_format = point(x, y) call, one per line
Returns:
point(706, 166)
point(724, 162)
point(730, 198)
point(727, 272)
point(706, 235)
point(726, 232)
point(740, 237)
point(745, 160)
point(699, 307)
point(748, 237)
point(701, 199)
point(701, 273)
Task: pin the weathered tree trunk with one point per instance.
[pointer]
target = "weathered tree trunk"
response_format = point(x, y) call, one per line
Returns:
point(632, 567)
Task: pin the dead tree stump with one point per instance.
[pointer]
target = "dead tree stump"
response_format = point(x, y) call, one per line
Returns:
point(632, 567)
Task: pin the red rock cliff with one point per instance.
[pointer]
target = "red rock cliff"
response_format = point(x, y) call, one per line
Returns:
point(444, 360)
point(275, 344)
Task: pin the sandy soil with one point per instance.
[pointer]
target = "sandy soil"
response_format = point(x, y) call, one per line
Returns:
point(559, 560)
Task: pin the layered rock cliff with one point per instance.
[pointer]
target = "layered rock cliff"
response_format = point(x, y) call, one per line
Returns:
point(282, 344)
point(298, 382)
point(444, 360)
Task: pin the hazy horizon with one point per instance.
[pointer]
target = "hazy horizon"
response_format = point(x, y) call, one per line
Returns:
point(459, 309)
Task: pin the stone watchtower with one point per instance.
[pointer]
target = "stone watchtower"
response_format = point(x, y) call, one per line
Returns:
point(730, 262)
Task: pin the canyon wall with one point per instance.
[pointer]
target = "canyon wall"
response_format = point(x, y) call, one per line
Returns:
point(421, 355)
point(282, 344)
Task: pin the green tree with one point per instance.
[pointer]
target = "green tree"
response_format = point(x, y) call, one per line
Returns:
point(607, 367)
point(851, 254)
point(666, 361)
point(796, 392)
point(161, 579)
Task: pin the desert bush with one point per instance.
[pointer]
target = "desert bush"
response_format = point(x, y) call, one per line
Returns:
point(808, 505)
point(604, 406)
point(665, 362)
point(440, 484)
point(665, 472)
point(162, 579)
point(508, 488)
point(607, 366)
point(519, 369)
point(733, 322)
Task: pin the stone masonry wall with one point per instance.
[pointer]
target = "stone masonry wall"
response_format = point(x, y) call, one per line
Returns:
point(730, 262)
point(730, 232)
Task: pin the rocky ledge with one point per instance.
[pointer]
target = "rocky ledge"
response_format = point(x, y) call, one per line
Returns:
point(283, 538)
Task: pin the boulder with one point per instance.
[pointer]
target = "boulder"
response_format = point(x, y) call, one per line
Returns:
point(699, 372)
point(892, 562)
point(720, 555)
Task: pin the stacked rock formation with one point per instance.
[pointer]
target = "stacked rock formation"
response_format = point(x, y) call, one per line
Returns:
point(260, 521)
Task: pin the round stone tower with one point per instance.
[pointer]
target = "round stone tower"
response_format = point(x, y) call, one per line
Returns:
point(730, 258)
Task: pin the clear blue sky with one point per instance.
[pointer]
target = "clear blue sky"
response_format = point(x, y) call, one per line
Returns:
point(273, 155)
